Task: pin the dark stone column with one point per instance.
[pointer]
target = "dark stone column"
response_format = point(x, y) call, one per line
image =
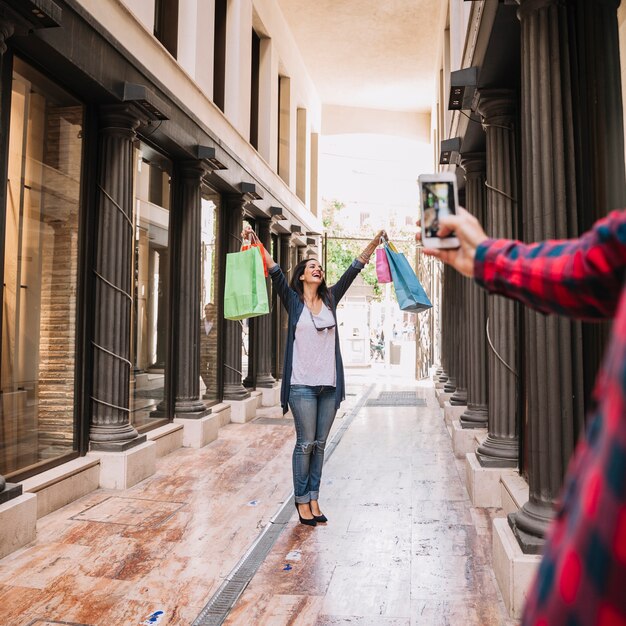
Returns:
point(501, 448)
point(451, 331)
point(233, 388)
point(475, 199)
point(110, 414)
point(263, 328)
point(186, 289)
point(446, 327)
point(553, 369)
point(598, 120)
point(461, 313)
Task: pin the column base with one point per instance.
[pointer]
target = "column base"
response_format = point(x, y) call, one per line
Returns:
point(450, 386)
point(475, 417)
point(459, 397)
point(116, 446)
point(483, 483)
point(451, 413)
point(18, 523)
point(265, 381)
point(236, 392)
point(121, 470)
point(197, 433)
point(464, 440)
point(10, 491)
point(191, 409)
point(514, 570)
point(529, 525)
point(496, 452)
point(242, 411)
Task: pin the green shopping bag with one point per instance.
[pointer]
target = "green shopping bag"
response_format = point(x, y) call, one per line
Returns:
point(245, 292)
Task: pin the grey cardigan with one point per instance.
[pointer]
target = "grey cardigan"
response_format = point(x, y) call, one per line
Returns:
point(293, 305)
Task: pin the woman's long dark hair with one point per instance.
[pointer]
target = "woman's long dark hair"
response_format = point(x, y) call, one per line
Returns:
point(296, 284)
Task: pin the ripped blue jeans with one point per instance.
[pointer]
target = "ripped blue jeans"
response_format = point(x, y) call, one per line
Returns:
point(313, 410)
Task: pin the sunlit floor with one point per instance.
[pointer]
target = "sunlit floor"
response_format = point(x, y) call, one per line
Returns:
point(403, 544)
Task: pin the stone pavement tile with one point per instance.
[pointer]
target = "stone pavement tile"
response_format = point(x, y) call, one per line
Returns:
point(359, 620)
point(166, 543)
point(446, 612)
point(132, 612)
point(15, 603)
point(369, 590)
point(76, 598)
point(401, 540)
point(38, 566)
point(275, 610)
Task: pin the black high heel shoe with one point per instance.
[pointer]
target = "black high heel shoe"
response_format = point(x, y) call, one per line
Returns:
point(304, 520)
point(320, 519)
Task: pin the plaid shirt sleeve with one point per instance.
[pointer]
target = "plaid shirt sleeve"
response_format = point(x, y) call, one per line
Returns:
point(580, 278)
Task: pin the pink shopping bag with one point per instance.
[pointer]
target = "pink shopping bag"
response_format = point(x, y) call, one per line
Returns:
point(382, 266)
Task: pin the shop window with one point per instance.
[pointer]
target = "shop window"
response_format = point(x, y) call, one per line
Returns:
point(209, 326)
point(219, 53)
point(37, 422)
point(166, 24)
point(254, 90)
point(150, 324)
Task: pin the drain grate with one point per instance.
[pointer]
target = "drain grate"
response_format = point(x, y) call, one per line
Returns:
point(218, 607)
point(275, 421)
point(397, 398)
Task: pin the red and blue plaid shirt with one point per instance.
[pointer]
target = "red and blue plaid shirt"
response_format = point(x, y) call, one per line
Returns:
point(582, 576)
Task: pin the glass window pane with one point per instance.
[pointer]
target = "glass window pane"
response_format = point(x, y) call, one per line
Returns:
point(151, 285)
point(208, 297)
point(41, 268)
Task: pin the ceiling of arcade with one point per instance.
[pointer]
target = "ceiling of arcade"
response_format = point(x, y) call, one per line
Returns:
point(368, 53)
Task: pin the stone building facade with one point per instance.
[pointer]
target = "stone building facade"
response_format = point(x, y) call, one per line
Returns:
point(136, 137)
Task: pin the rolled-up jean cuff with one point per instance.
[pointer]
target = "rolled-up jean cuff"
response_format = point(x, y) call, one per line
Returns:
point(303, 499)
point(314, 495)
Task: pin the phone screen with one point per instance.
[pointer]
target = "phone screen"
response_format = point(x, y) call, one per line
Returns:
point(437, 201)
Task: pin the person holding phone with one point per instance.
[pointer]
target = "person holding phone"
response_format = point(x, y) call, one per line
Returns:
point(582, 573)
point(313, 380)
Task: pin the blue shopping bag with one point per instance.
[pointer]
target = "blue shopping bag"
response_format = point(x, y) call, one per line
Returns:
point(409, 291)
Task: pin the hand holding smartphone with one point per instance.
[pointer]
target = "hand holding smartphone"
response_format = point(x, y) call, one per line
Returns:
point(438, 198)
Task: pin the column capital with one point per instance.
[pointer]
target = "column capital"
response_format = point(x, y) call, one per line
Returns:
point(122, 118)
point(497, 104)
point(193, 170)
point(474, 163)
point(7, 28)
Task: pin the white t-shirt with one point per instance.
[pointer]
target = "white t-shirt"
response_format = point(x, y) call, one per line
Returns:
point(314, 350)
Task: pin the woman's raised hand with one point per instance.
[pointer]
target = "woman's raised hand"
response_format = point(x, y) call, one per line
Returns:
point(364, 257)
point(247, 234)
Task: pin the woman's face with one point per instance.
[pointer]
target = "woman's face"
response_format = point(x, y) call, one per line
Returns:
point(313, 272)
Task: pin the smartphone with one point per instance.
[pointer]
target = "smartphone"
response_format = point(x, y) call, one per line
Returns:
point(438, 197)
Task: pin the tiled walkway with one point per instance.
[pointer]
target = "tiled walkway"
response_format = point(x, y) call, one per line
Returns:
point(403, 545)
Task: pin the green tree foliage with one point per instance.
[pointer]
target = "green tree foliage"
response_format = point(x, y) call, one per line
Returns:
point(344, 244)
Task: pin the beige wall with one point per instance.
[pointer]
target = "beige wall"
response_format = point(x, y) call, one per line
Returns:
point(348, 120)
point(190, 77)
